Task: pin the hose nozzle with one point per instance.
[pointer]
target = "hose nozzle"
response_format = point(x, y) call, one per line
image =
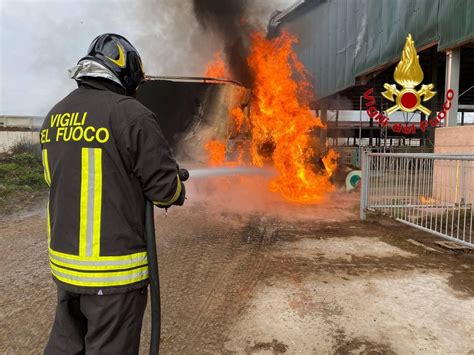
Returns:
point(183, 174)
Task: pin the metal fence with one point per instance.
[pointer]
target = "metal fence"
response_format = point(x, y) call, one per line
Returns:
point(432, 192)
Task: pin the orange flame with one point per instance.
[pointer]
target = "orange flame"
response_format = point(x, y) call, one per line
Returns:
point(238, 117)
point(217, 68)
point(282, 123)
point(282, 118)
point(330, 161)
point(425, 200)
point(216, 152)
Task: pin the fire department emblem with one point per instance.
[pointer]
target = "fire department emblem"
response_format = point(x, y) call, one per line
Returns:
point(408, 74)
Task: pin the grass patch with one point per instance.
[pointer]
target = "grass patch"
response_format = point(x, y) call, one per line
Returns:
point(21, 178)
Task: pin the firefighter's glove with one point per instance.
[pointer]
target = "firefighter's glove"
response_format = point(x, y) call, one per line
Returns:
point(182, 196)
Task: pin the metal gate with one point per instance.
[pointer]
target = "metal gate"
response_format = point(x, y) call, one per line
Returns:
point(432, 192)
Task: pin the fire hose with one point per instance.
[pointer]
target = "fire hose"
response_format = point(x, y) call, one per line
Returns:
point(153, 272)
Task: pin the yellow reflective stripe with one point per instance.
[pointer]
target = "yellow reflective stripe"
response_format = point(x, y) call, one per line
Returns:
point(98, 268)
point(112, 263)
point(97, 258)
point(99, 279)
point(98, 275)
point(91, 202)
point(83, 202)
point(46, 172)
point(47, 178)
point(97, 201)
point(48, 222)
point(68, 280)
point(174, 198)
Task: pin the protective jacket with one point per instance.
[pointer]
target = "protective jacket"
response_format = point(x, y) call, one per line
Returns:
point(103, 154)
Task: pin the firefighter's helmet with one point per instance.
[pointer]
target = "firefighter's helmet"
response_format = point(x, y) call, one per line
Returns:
point(118, 55)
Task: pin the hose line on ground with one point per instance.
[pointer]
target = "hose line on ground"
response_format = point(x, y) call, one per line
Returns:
point(154, 279)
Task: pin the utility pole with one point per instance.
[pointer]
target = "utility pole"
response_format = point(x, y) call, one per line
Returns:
point(453, 66)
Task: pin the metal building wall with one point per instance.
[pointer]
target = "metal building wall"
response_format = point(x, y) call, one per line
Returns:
point(342, 39)
point(455, 22)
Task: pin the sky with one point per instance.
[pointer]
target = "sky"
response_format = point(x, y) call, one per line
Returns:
point(41, 40)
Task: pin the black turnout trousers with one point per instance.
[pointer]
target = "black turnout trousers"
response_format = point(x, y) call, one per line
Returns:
point(97, 324)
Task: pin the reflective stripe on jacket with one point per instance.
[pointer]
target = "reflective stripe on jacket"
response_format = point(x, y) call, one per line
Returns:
point(103, 154)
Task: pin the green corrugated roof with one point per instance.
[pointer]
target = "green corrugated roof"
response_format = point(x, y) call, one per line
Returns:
point(342, 39)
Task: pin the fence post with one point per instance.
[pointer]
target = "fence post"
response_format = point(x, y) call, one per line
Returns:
point(365, 184)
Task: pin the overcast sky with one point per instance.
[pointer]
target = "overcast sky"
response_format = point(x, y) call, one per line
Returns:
point(41, 40)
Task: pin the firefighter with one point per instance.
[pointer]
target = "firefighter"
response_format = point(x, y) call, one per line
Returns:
point(103, 155)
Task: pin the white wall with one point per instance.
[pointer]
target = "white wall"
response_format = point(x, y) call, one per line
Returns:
point(10, 138)
point(454, 180)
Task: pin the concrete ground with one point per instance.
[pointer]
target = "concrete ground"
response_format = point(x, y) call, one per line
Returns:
point(243, 272)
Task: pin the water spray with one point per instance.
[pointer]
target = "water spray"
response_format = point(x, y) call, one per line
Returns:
point(227, 171)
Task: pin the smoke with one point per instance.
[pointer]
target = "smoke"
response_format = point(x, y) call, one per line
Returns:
point(228, 20)
point(225, 17)
point(240, 197)
point(191, 146)
point(168, 38)
point(232, 21)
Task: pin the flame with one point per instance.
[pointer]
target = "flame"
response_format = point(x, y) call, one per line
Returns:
point(408, 72)
point(217, 68)
point(216, 152)
point(238, 117)
point(282, 120)
point(425, 200)
point(330, 161)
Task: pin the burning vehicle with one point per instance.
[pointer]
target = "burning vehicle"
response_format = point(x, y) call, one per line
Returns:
point(201, 116)
point(222, 122)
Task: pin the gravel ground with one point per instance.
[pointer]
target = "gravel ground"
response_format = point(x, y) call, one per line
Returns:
point(244, 272)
